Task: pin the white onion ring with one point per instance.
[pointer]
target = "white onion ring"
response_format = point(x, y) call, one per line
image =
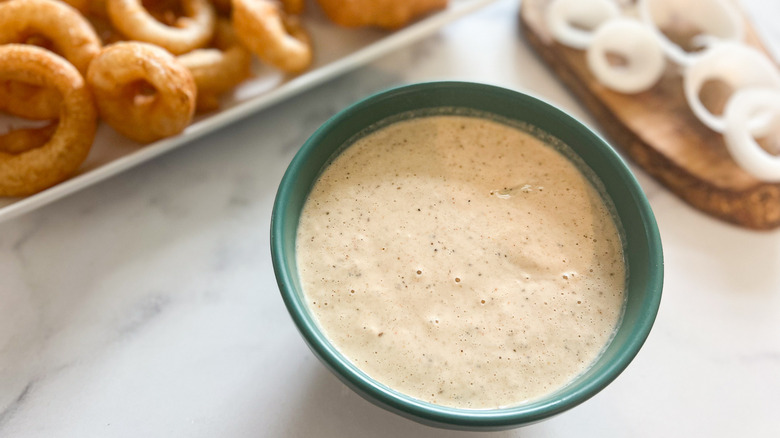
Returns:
point(719, 21)
point(637, 44)
point(744, 106)
point(736, 64)
point(561, 15)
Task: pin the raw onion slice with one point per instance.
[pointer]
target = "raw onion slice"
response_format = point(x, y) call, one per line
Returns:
point(711, 21)
point(737, 65)
point(744, 106)
point(572, 22)
point(637, 45)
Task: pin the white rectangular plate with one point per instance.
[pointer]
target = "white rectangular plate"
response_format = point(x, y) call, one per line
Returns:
point(337, 50)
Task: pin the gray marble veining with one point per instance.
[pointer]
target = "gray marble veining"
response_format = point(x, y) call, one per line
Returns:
point(147, 306)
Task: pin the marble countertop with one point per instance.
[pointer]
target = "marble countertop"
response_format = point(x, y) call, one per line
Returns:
point(147, 306)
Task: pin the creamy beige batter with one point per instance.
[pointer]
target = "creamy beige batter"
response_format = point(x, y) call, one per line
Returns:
point(461, 261)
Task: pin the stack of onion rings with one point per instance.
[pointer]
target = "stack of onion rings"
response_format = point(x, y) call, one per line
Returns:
point(32, 170)
point(162, 61)
point(57, 23)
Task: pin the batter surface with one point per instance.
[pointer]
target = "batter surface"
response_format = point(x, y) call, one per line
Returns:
point(461, 261)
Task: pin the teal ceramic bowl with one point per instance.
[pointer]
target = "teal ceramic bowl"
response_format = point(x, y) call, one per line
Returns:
point(642, 244)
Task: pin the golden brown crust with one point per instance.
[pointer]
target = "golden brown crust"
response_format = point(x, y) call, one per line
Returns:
point(106, 31)
point(68, 31)
point(23, 140)
point(53, 24)
point(275, 37)
point(218, 70)
point(222, 6)
point(388, 14)
point(82, 6)
point(190, 32)
point(142, 91)
point(29, 101)
point(293, 7)
point(33, 170)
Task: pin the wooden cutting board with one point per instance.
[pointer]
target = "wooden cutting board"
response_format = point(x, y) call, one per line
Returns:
point(658, 131)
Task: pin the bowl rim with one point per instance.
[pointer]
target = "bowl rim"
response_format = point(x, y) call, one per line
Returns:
point(476, 419)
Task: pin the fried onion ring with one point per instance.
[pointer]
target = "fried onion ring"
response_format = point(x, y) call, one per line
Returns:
point(105, 30)
point(389, 14)
point(33, 170)
point(218, 70)
point(272, 35)
point(65, 30)
point(294, 7)
point(29, 101)
point(192, 31)
point(98, 8)
point(23, 140)
point(142, 91)
point(222, 6)
point(81, 5)
point(60, 24)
